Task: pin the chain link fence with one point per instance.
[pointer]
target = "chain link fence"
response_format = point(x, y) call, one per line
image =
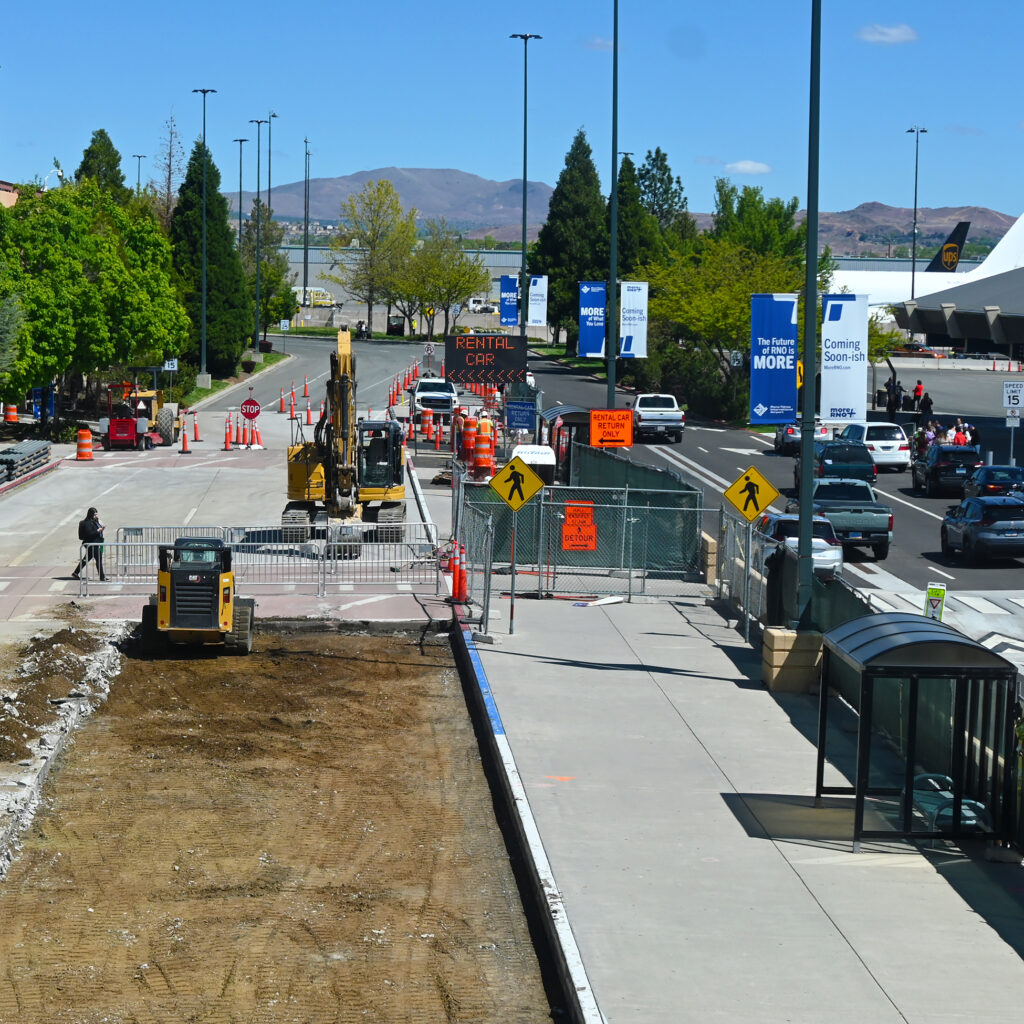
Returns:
point(477, 537)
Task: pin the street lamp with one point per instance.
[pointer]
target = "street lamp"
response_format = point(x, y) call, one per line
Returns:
point(259, 122)
point(526, 37)
point(204, 378)
point(138, 171)
point(239, 141)
point(270, 126)
point(611, 330)
point(916, 132)
point(305, 234)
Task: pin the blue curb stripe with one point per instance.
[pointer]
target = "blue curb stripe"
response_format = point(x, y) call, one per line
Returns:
point(481, 681)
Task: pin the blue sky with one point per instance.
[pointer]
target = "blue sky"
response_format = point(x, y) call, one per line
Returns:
point(721, 88)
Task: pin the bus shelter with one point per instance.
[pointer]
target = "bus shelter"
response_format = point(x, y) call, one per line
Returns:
point(936, 714)
point(559, 427)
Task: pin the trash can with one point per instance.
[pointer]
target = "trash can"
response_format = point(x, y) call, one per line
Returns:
point(880, 397)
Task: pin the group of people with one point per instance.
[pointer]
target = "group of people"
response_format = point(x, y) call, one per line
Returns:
point(965, 435)
point(897, 399)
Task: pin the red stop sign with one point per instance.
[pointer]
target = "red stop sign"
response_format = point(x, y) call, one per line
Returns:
point(250, 408)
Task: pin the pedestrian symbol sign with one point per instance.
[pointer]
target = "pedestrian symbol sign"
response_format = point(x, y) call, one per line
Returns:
point(516, 484)
point(751, 493)
point(935, 600)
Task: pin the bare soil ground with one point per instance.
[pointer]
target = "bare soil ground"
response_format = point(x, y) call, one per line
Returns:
point(304, 835)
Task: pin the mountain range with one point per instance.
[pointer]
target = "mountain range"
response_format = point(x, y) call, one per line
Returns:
point(478, 207)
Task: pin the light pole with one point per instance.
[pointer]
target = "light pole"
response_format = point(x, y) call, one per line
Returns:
point(526, 37)
point(138, 171)
point(916, 132)
point(239, 141)
point(611, 330)
point(259, 122)
point(270, 127)
point(305, 233)
point(204, 378)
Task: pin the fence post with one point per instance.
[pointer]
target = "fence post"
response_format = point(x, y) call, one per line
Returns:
point(541, 560)
point(488, 555)
point(722, 542)
point(746, 584)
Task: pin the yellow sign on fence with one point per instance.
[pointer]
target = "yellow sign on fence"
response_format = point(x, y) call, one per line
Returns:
point(516, 484)
point(751, 493)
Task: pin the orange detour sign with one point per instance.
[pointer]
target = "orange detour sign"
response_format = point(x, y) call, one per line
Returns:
point(579, 531)
point(611, 428)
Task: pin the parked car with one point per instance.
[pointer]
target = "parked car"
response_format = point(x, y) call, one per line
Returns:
point(988, 480)
point(788, 436)
point(826, 548)
point(848, 459)
point(857, 516)
point(887, 443)
point(915, 348)
point(943, 467)
point(982, 528)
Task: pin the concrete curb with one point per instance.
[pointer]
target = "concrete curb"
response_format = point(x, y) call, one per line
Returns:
point(580, 1002)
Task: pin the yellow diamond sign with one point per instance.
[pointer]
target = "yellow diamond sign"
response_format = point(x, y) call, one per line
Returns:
point(516, 484)
point(751, 493)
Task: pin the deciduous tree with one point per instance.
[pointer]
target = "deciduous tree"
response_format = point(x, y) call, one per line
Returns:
point(764, 226)
point(169, 166)
point(447, 275)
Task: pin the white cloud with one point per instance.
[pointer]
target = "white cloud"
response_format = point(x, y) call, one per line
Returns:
point(599, 43)
point(748, 167)
point(887, 35)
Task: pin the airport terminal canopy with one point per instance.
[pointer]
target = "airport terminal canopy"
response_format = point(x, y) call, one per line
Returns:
point(935, 736)
point(989, 311)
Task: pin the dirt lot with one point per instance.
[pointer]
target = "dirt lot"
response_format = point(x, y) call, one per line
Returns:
point(302, 835)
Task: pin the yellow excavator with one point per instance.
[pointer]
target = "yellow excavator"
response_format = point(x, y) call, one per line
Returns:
point(352, 469)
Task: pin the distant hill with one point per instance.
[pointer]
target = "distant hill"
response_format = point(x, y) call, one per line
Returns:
point(478, 206)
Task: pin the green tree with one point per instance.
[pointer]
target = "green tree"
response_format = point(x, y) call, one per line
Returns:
point(277, 300)
point(764, 226)
point(385, 235)
point(445, 273)
point(573, 244)
point(639, 240)
point(92, 283)
point(102, 162)
point(663, 197)
point(230, 316)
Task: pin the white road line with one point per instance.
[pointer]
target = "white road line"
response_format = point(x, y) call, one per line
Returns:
point(763, 440)
point(909, 504)
point(188, 518)
point(699, 471)
point(704, 450)
point(875, 601)
point(979, 604)
point(941, 573)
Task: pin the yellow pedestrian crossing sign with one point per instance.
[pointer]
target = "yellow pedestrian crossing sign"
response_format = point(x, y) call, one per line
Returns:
point(751, 493)
point(516, 484)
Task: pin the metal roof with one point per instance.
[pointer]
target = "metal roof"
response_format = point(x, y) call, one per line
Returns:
point(906, 643)
point(571, 414)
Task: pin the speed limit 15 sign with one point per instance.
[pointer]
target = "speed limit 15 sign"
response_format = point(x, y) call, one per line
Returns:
point(1013, 394)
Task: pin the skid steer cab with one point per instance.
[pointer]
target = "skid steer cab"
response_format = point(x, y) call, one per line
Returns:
point(195, 603)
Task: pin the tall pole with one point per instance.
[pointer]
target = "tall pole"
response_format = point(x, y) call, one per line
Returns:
point(305, 233)
point(917, 132)
point(805, 557)
point(259, 122)
point(138, 171)
point(526, 37)
point(270, 128)
point(206, 157)
point(239, 141)
point(611, 330)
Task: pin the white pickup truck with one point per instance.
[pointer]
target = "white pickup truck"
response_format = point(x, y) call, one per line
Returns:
point(658, 416)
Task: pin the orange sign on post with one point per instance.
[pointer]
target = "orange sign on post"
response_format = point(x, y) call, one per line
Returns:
point(579, 531)
point(611, 428)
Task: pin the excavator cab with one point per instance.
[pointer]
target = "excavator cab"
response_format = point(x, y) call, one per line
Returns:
point(381, 461)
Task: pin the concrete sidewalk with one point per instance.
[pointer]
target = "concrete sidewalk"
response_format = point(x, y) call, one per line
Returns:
point(674, 797)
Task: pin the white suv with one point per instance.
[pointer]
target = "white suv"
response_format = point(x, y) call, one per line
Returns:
point(887, 443)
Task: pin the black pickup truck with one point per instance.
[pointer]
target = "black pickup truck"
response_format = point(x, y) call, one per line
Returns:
point(857, 517)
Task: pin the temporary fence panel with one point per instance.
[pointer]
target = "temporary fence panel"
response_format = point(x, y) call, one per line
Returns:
point(477, 537)
point(606, 467)
point(405, 554)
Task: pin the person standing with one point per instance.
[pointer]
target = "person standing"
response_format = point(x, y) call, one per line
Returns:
point(90, 533)
point(924, 408)
point(918, 392)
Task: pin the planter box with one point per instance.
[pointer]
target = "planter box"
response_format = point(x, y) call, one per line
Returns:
point(267, 346)
point(248, 365)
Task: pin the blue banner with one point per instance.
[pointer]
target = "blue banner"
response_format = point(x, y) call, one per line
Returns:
point(509, 300)
point(592, 318)
point(773, 357)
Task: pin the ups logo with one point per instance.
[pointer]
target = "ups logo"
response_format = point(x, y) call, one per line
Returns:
point(950, 255)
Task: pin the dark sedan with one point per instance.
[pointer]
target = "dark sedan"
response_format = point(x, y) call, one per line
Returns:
point(983, 528)
point(989, 480)
point(943, 467)
point(848, 459)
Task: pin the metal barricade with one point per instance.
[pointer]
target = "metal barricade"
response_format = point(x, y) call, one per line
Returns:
point(477, 536)
point(742, 556)
point(405, 554)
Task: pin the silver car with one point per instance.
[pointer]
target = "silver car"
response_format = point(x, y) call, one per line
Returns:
point(788, 435)
point(826, 547)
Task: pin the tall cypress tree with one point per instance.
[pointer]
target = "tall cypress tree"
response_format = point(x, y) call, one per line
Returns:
point(230, 316)
point(102, 162)
point(662, 195)
point(639, 238)
point(573, 245)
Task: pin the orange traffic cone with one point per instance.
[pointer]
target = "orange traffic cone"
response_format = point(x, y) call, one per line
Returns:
point(245, 434)
point(259, 439)
point(281, 409)
point(195, 427)
point(321, 408)
point(309, 414)
point(227, 433)
point(437, 436)
point(291, 408)
point(442, 367)
point(454, 563)
point(293, 392)
point(305, 387)
point(415, 371)
point(184, 443)
point(463, 577)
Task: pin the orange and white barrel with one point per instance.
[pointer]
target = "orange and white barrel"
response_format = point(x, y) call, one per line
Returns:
point(482, 455)
point(468, 438)
point(84, 453)
point(427, 424)
point(10, 414)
